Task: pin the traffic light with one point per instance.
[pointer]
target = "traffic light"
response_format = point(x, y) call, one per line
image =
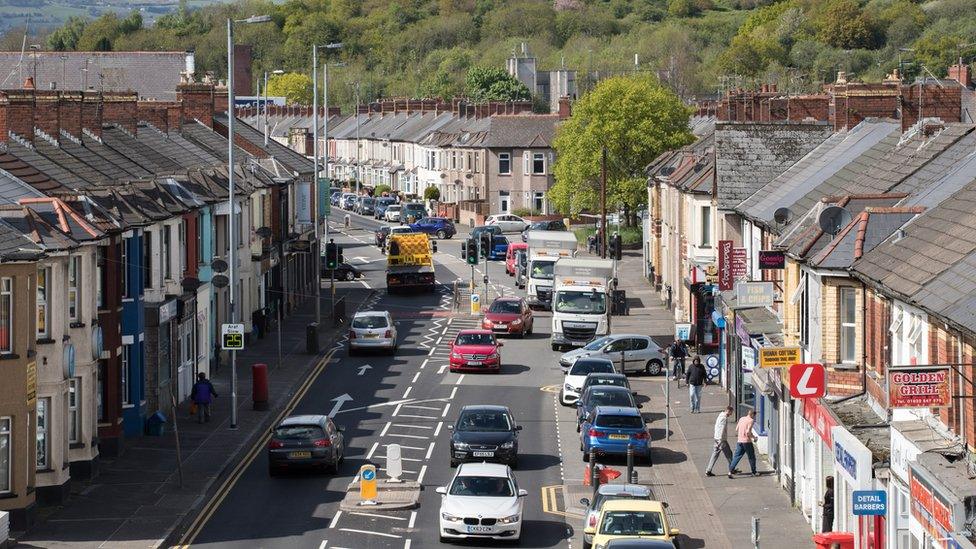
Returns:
point(464, 250)
point(333, 256)
point(616, 251)
point(471, 252)
point(485, 244)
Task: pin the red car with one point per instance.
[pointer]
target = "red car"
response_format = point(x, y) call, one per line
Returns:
point(475, 351)
point(510, 256)
point(508, 315)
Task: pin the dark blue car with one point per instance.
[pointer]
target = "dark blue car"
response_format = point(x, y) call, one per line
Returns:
point(611, 429)
point(499, 247)
point(437, 226)
point(593, 396)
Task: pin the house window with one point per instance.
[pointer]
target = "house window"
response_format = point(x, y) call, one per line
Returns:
point(706, 227)
point(43, 443)
point(469, 164)
point(453, 160)
point(147, 260)
point(199, 235)
point(74, 413)
point(914, 338)
point(74, 290)
point(848, 329)
point(525, 162)
point(505, 163)
point(538, 164)
point(538, 202)
point(183, 252)
point(5, 452)
point(124, 260)
point(6, 315)
point(165, 259)
point(477, 162)
point(43, 287)
point(124, 373)
point(100, 276)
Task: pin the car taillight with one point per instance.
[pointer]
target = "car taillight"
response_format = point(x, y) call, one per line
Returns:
point(642, 435)
point(592, 522)
point(352, 334)
point(388, 334)
point(595, 433)
point(274, 444)
point(322, 443)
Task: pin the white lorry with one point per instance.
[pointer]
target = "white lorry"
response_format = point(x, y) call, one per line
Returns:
point(581, 301)
point(545, 247)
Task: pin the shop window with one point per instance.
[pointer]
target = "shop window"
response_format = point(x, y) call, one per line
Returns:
point(848, 325)
point(6, 450)
point(43, 445)
point(43, 290)
point(6, 315)
point(74, 411)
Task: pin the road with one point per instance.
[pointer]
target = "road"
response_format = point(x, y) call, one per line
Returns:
point(409, 399)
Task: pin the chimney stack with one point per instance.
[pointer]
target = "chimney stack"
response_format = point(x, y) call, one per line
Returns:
point(565, 108)
point(47, 113)
point(121, 108)
point(960, 73)
point(91, 112)
point(71, 113)
point(196, 102)
point(17, 114)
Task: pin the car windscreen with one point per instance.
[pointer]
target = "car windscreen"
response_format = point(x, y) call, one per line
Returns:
point(597, 344)
point(583, 366)
point(538, 226)
point(632, 523)
point(587, 302)
point(602, 380)
point(619, 422)
point(475, 339)
point(505, 307)
point(499, 241)
point(491, 487)
point(385, 200)
point(368, 202)
point(370, 322)
point(542, 269)
point(495, 421)
point(393, 208)
point(298, 432)
point(610, 398)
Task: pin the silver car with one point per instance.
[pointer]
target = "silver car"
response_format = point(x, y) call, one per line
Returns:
point(508, 223)
point(639, 353)
point(392, 212)
point(372, 330)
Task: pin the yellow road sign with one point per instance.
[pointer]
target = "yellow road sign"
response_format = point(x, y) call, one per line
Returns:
point(367, 482)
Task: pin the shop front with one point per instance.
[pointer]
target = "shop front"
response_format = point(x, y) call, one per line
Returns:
point(814, 460)
point(943, 502)
point(853, 464)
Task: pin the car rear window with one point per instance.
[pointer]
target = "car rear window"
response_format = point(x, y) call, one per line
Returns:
point(370, 322)
point(582, 367)
point(500, 240)
point(615, 381)
point(298, 432)
point(611, 398)
point(619, 422)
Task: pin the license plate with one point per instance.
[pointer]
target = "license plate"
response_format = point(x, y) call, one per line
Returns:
point(501, 325)
point(299, 455)
point(474, 363)
point(483, 454)
point(372, 336)
point(619, 437)
point(479, 529)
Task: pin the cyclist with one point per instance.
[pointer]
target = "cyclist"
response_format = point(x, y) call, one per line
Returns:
point(678, 352)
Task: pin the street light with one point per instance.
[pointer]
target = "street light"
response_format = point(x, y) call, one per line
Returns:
point(231, 237)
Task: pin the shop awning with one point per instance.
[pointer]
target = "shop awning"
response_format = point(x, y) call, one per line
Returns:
point(760, 321)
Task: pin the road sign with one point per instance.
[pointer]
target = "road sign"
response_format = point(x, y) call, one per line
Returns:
point(475, 304)
point(808, 381)
point(232, 337)
point(870, 503)
point(367, 484)
point(682, 331)
point(778, 357)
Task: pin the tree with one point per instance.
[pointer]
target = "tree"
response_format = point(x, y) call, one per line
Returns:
point(432, 193)
point(65, 37)
point(293, 86)
point(494, 84)
point(843, 25)
point(380, 189)
point(636, 119)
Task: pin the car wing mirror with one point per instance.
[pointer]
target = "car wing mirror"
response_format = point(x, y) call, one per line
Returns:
point(675, 532)
point(639, 405)
point(518, 427)
point(442, 490)
point(523, 492)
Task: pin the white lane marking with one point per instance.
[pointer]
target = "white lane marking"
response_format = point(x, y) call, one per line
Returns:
point(413, 519)
point(409, 436)
point(403, 458)
point(421, 407)
point(420, 477)
point(439, 341)
point(448, 407)
point(402, 470)
point(335, 519)
point(407, 392)
point(405, 426)
point(431, 353)
point(406, 544)
point(422, 364)
point(369, 455)
point(459, 379)
point(414, 416)
point(419, 448)
point(361, 408)
point(385, 429)
point(365, 284)
point(453, 392)
point(430, 450)
point(324, 543)
point(437, 430)
point(374, 515)
point(353, 530)
point(415, 376)
point(397, 409)
point(442, 368)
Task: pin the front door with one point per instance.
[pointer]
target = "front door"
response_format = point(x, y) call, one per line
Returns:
point(504, 201)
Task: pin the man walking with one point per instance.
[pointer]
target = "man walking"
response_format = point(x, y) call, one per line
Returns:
point(695, 377)
point(721, 437)
point(203, 394)
point(744, 440)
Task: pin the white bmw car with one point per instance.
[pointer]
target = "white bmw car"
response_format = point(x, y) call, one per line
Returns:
point(576, 375)
point(483, 501)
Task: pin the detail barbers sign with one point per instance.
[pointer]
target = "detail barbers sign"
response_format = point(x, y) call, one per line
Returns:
point(919, 386)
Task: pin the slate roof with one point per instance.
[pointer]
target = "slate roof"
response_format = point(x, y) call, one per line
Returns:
point(15, 246)
point(690, 168)
point(748, 156)
point(295, 161)
point(520, 131)
point(33, 227)
point(150, 74)
point(868, 229)
point(804, 238)
point(16, 167)
point(127, 144)
point(13, 189)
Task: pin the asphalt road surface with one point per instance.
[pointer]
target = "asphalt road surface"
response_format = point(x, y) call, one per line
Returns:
point(410, 399)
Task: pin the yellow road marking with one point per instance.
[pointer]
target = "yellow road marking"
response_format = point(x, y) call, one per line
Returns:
point(550, 388)
point(207, 512)
point(550, 501)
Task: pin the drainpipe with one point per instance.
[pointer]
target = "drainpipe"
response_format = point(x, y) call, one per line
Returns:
point(864, 346)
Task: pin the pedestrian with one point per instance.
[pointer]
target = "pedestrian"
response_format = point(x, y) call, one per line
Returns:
point(695, 377)
point(203, 394)
point(678, 352)
point(721, 437)
point(744, 440)
point(828, 506)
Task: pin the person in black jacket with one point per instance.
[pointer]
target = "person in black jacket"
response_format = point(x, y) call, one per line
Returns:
point(695, 377)
point(828, 506)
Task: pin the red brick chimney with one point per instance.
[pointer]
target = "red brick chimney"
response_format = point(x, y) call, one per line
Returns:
point(70, 103)
point(47, 112)
point(565, 108)
point(17, 114)
point(121, 108)
point(155, 113)
point(221, 99)
point(196, 101)
point(961, 74)
point(91, 112)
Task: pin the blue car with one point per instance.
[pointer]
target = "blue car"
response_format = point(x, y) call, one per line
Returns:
point(593, 396)
point(440, 227)
point(610, 429)
point(499, 247)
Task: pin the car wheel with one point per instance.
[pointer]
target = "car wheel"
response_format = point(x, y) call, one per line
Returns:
point(555, 347)
point(350, 276)
point(441, 234)
point(445, 539)
point(531, 327)
point(587, 545)
point(272, 471)
point(454, 464)
point(653, 367)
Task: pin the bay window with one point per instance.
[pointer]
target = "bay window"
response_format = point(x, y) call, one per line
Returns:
point(43, 292)
point(74, 288)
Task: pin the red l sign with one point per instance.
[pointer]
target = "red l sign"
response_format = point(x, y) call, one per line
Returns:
point(808, 381)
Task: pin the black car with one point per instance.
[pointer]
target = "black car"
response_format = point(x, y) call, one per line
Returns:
point(301, 442)
point(344, 271)
point(366, 207)
point(485, 433)
point(547, 225)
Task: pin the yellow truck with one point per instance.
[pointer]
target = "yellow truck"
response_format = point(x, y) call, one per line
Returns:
point(410, 262)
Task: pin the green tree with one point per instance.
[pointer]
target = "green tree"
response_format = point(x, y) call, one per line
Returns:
point(494, 84)
point(937, 53)
point(295, 87)
point(636, 119)
point(380, 189)
point(100, 34)
point(432, 193)
point(843, 25)
point(65, 37)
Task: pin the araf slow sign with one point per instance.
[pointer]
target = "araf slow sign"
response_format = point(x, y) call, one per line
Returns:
point(808, 381)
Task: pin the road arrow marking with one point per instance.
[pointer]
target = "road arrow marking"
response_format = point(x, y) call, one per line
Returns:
point(362, 258)
point(363, 368)
point(339, 401)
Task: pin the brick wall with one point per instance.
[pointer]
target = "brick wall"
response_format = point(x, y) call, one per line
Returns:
point(196, 101)
point(841, 379)
point(154, 113)
point(70, 105)
point(853, 102)
point(121, 108)
point(938, 102)
point(17, 114)
point(91, 112)
point(243, 78)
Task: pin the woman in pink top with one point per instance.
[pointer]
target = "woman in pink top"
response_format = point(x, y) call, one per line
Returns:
point(744, 440)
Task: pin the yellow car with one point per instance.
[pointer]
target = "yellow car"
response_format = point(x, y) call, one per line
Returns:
point(632, 519)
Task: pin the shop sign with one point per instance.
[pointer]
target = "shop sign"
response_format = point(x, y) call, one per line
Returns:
point(682, 331)
point(739, 263)
point(931, 509)
point(820, 419)
point(725, 278)
point(754, 294)
point(851, 458)
point(748, 359)
point(772, 259)
point(779, 357)
point(919, 387)
point(303, 203)
point(167, 311)
point(870, 503)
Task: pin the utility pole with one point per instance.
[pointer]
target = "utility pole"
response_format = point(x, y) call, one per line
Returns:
point(315, 186)
point(603, 204)
point(358, 171)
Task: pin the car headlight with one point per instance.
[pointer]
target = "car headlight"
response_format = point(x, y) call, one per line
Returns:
point(511, 519)
point(510, 444)
point(493, 356)
point(570, 387)
point(450, 518)
point(516, 322)
point(460, 445)
point(456, 355)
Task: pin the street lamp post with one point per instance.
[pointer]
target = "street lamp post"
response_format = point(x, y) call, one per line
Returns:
point(315, 161)
point(231, 237)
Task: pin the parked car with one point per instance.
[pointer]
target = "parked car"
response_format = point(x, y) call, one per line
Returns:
point(508, 315)
point(372, 330)
point(412, 211)
point(605, 493)
point(381, 204)
point(547, 225)
point(609, 430)
point(576, 375)
point(343, 271)
point(507, 222)
point(521, 266)
point(510, 265)
point(475, 351)
point(348, 201)
point(632, 519)
point(499, 248)
point(482, 501)
point(603, 395)
point(639, 353)
point(366, 206)
point(380, 236)
point(485, 433)
point(475, 233)
point(441, 227)
point(392, 213)
point(306, 441)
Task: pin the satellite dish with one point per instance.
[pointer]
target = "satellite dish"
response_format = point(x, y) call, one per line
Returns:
point(782, 215)
point(667, 170)
point(833, 218)
point(219, 265)
point(264, 232)
point(220, 281)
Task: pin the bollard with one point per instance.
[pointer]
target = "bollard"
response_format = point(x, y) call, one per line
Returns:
point(346, 220)
point(394, 462)
point(312, 338)
point(259, 386)
point(630, 464)
point(594, 472)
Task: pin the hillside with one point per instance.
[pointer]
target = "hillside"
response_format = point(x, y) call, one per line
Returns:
point(424, 47)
